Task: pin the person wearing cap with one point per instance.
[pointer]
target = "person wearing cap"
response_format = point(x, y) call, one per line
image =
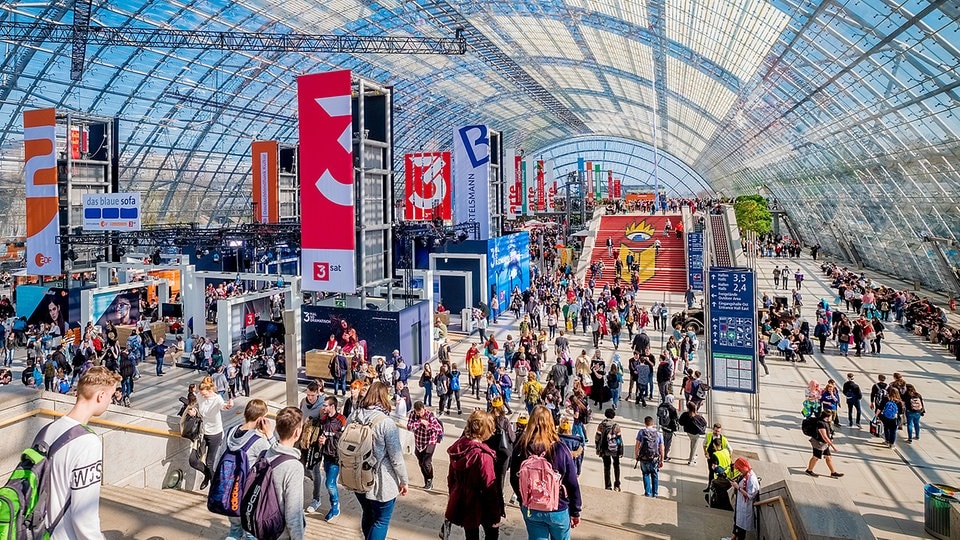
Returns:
point(748, 488)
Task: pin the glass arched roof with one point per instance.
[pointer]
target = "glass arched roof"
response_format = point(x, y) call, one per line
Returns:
point(845, 110)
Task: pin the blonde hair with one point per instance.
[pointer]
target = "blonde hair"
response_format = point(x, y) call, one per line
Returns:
point(96, 379)
point(480, 426)
point(207, 384)
point(378, 395)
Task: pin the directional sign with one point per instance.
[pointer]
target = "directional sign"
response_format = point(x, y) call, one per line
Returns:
point(732, 329)
point(695, 260)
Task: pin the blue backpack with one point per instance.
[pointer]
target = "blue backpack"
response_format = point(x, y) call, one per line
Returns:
point(455, 382)
point(226, 489)
point(890, 410)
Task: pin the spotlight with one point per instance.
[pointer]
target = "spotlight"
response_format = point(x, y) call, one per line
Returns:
point(462, 236)
point(121, 251)
point(72, 255)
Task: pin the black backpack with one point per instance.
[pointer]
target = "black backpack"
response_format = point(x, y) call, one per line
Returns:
point(663, 417)
point(260, 512)
point(649, 449)
point(811, 426)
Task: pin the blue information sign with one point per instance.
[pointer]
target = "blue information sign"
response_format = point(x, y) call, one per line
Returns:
point(733, 330)
point(695, 260)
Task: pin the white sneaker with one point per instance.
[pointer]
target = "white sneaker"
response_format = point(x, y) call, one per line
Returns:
point(314, 506)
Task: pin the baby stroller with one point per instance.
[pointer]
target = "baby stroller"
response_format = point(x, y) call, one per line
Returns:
point(719, 494)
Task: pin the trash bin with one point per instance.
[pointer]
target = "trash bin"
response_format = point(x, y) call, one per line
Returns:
point(937, 499)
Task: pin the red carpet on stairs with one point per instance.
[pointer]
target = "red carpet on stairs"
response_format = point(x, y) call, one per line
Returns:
point(665, 271)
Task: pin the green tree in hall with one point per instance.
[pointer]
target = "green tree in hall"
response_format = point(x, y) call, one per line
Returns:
point(753, 214)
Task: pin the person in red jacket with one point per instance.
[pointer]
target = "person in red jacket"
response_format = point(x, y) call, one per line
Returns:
point(476, 498)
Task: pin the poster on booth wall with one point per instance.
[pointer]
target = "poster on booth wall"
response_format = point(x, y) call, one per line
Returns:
point(111, 212)
point(471, 168)
point(508, 266)
point(46, 305)
point(327, 237)
point(243, 321)
point(427, 192)
point(119, 308)
point(43, 203)
point(372, 332)
point(266, 181)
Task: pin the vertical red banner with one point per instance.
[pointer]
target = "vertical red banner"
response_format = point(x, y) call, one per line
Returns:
point(617, 188)
point(515, 194)
point(610, 184)
point(541, 188)
point(327, 234)
point(266, 180)
point(74, 142)
point(589, 181)
point(427, 192)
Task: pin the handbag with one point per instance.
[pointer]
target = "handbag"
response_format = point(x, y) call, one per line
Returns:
point(875, 427)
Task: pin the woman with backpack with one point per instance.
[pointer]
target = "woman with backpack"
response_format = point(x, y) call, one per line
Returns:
point(552, 512)
point(889, 413)
point(209, 405)
point(389, 471)
point(476, 498)
point(913, 405)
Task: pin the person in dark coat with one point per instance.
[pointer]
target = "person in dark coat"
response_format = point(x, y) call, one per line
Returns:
point(476, 498)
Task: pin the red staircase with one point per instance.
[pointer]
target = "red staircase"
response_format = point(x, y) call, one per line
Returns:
point(636, 233)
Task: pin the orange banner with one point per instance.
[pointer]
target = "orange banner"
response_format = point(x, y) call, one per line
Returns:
point(40, 174)
point(266, 203)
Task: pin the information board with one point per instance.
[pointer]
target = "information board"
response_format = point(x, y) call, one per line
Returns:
point(695, 260)
point(733, 329)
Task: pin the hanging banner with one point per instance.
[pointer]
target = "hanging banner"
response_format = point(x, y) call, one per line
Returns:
point(328, 238)
point(530, 191)
point(617, 188)
point(40, 174)
point(266, 180)
point(732, 330)
point(588, 181)
point(597, 179)
point(471, 154)
point(551, 186)
point(513, 185)
point(427, 195)
point(541, 188)
point(610, 194)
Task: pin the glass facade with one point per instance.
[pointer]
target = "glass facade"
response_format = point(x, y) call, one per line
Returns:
point(845, 111)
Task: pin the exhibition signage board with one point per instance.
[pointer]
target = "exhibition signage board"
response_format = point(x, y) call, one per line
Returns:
point(732, 329)
point(695, 260)
point(427, 189)
point(111, 211)
point(42, 205)
point(471, 155)
point(328, 236)
point(266, 181)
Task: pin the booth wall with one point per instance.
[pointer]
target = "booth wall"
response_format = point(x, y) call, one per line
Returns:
point(411, 342)
point(379, 329)
point(33, 303)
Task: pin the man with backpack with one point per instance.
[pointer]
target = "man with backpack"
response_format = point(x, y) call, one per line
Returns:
point(609, 445)
point(329, 424)
point(245, 443)
point(818, 429)
point(851, 390)
point(649, 453)
point(272, 503)
point(667, 418)
point(70, 479)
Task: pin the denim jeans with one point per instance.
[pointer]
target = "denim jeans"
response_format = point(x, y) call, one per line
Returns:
point(428, 393)
point(159, 365)
point(341, 384)
point(851, 405)
point(331, 471)
point(546, 525)
point(844, 347)
point(376, 517)
point(913, 425)
point(650, 477)
point(615, 339)
point(237, 532)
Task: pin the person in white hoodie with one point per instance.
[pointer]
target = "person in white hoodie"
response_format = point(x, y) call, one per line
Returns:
point(255, 428)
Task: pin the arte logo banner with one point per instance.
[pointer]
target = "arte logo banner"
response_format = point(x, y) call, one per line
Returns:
point(266, 181)
point(513, 186)
point(427, 194)
point(40, 174)
point(530, 191)
point(541, 188)
point(327, 234)
point(471, 155)
point(551, 186)
point(111, 211)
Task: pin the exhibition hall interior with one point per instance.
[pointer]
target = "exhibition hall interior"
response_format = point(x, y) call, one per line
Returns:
point(292, 198)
